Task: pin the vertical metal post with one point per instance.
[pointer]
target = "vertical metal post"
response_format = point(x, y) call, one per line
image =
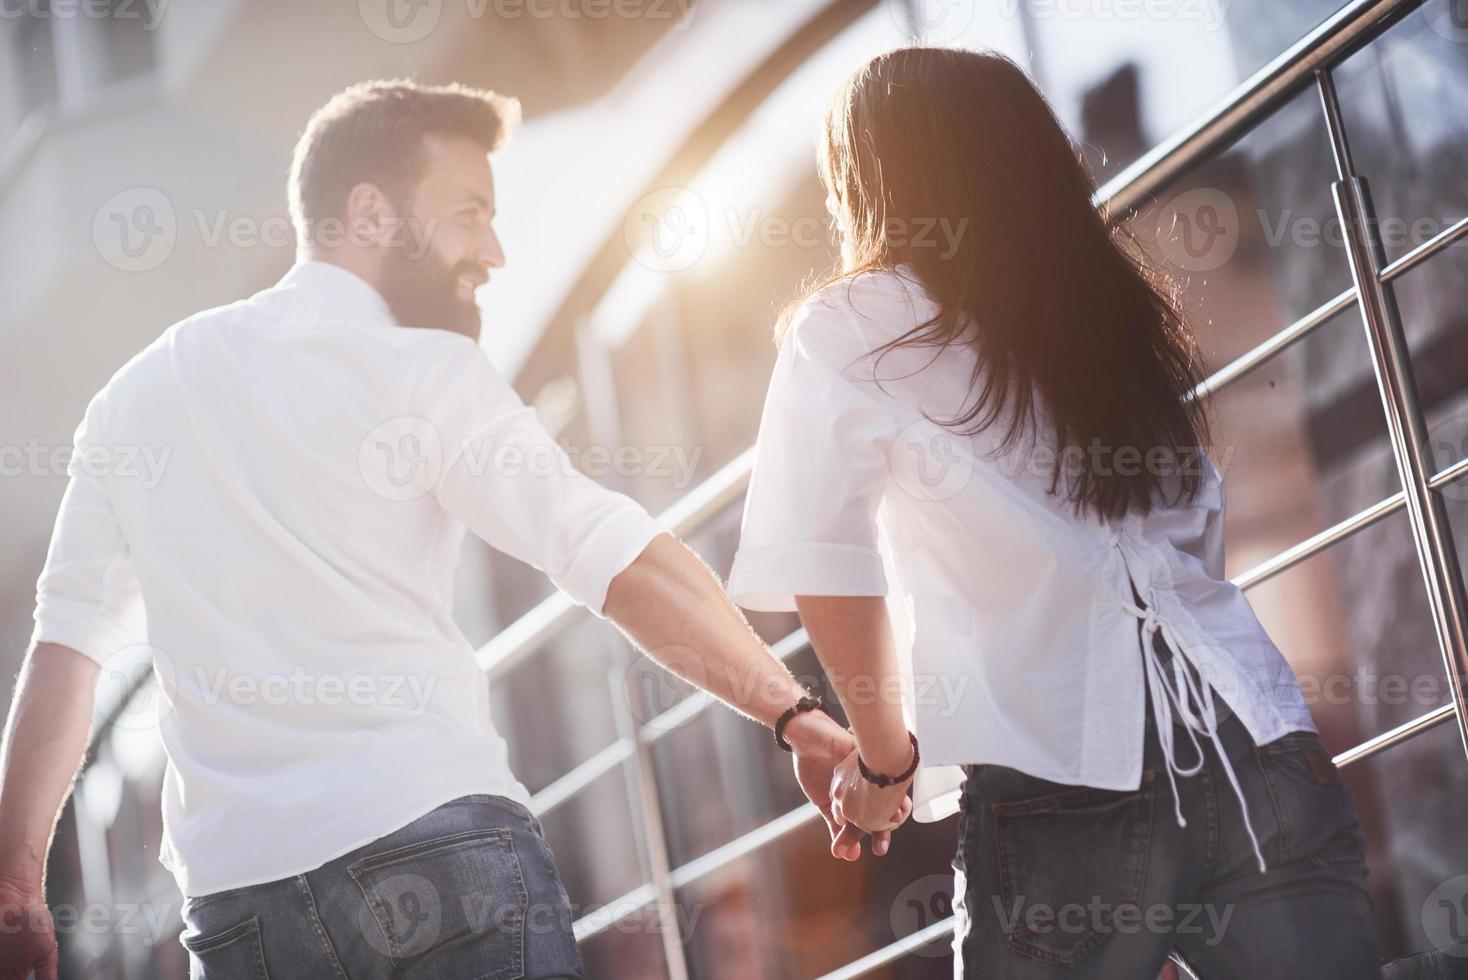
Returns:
point(1406, 424)
point(643, 789)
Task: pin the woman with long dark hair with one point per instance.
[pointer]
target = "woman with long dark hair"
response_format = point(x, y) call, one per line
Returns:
point(982, 482)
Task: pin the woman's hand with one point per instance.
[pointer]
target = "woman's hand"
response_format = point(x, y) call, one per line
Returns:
point(858, 802)
point(819, 746)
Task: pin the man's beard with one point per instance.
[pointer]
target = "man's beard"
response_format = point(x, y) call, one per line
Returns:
point(424, 292)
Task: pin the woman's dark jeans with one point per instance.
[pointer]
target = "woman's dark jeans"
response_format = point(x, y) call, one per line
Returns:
point(1066, 881)
point(468, 891)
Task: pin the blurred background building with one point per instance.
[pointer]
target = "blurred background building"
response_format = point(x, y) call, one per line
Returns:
point(658, 207)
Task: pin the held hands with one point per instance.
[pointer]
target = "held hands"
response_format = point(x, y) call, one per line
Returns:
point(857, 804)
point(824, 752)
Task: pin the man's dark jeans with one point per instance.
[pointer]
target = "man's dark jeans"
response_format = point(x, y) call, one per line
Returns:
point(468, 891)
point(1066, 881)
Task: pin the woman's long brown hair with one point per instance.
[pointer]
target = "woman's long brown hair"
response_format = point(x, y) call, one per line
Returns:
point(925, 147)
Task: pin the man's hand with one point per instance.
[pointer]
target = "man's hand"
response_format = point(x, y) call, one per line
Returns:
point(820, 744)
point(27, 935)
point(858, 802)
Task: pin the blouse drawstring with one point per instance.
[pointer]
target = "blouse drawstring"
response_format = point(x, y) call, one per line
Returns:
point(1195, 708)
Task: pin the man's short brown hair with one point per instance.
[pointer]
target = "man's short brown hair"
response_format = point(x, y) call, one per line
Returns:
point(373, 132)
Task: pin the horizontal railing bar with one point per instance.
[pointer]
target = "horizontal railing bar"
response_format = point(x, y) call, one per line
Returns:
point(1397, 735)
point(583, 775)
point(1454, 472)
point(1285, 338)
point(1345, 31)
point(700, 867)
point(613, 912)
point(1315, 544)
point(893, 952)
point(1425, 251)
point(744, 845)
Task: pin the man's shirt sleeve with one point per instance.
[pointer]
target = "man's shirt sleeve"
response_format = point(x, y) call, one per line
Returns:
point(88, 597)
point(510, 482)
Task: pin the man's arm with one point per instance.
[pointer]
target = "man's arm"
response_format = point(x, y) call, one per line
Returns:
point(45, 740)
point(672, 606)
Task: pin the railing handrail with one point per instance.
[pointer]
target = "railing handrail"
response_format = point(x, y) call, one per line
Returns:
point(1286, 76)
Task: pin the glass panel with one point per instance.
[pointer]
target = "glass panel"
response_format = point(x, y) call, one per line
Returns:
point(555, 708)
point(1430, 298)
point(1301, 442)
point(720, 777)
point(790, 910)
point(1248, 234)
point(1354, 624)
point(1411, 799)
point(1125, 77)
point(1395, 98)
point(594, 843)
point(632, 948)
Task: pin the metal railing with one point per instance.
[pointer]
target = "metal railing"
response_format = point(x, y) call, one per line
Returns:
point(1307, 63)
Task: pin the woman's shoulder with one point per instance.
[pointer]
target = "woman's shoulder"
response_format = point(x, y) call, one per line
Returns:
point(865, 310)
point(878, 293)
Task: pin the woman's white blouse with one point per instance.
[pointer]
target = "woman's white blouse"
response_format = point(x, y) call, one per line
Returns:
point(1015, 616)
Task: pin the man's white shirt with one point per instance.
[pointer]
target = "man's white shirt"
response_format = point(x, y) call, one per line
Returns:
point(288, 566)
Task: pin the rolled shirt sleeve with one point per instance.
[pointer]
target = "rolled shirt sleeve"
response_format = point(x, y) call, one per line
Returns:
point(821, 468)
point(88, 597)
point(510, 482)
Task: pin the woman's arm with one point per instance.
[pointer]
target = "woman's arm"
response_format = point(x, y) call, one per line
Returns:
point(852, 637)
point(673, 608)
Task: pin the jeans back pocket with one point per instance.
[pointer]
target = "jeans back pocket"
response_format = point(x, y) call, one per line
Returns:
point(1317, 820)
point(1072, 866)
point(231, 953)
point(458, 901)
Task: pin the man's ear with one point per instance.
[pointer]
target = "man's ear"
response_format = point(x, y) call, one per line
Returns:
point(371, 218)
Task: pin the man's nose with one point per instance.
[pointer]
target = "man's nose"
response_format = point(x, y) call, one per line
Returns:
point(491, 254)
